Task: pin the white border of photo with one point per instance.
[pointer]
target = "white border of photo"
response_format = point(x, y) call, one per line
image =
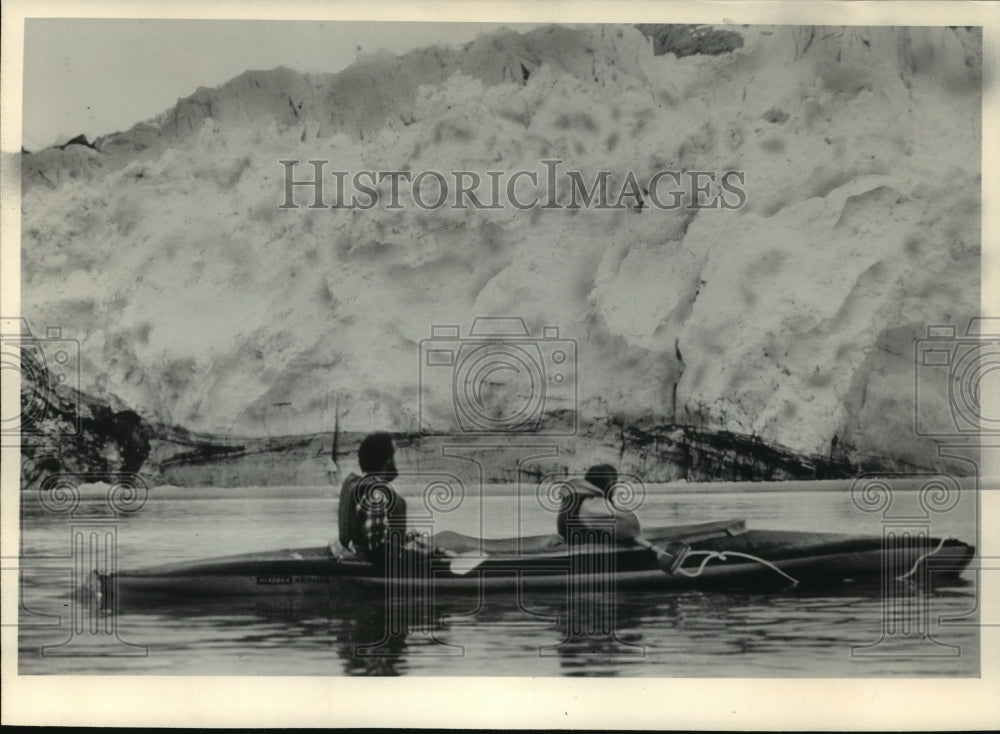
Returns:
point(502, 702)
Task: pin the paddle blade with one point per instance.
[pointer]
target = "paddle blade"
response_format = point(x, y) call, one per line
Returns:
point(672, 557)
point(466, 563)
point(736, 527)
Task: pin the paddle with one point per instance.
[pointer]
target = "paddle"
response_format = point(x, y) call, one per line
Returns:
point(670, 558)
point(627, 526)
point(667, 560)
point(463, 563)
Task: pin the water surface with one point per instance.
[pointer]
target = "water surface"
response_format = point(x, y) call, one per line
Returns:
point(769, 633)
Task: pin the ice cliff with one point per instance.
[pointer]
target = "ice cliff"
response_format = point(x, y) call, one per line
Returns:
point(790, 321)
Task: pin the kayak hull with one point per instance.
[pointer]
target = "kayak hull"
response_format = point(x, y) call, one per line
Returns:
point(717, 557)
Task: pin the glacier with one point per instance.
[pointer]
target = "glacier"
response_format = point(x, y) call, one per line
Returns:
point(787, 325)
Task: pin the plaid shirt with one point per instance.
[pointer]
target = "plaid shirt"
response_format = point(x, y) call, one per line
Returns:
point(372, 516)
point(574, 493)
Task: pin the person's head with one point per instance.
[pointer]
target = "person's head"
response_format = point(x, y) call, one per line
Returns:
point(602, 476)
point(376, 455)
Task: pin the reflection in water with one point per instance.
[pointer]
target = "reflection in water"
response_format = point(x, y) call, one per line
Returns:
point(365, 636)
point(724, 632)
point(370, 634)
point(372, 644)
point(600, 634)
point(690, 633)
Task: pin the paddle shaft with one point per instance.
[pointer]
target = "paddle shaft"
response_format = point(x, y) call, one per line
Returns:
point(665, 560)
point(627, 527)
point(650, 546)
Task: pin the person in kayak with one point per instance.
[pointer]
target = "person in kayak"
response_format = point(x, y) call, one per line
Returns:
point(594, 492)
point(371, 517)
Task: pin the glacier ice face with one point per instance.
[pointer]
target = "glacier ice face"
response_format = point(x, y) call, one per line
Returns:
point(198, 301)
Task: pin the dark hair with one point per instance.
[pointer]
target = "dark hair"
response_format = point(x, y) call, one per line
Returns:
point(375, 451)
point(602, 476)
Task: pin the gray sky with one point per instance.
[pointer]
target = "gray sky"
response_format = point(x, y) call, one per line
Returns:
point(100, 76)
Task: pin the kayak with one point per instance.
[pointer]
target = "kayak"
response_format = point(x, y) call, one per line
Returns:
point(706, 555)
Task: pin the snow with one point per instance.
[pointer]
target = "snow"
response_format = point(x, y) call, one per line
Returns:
point(198, 301)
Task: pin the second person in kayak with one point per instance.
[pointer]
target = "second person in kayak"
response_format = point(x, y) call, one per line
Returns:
point(593, 497)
